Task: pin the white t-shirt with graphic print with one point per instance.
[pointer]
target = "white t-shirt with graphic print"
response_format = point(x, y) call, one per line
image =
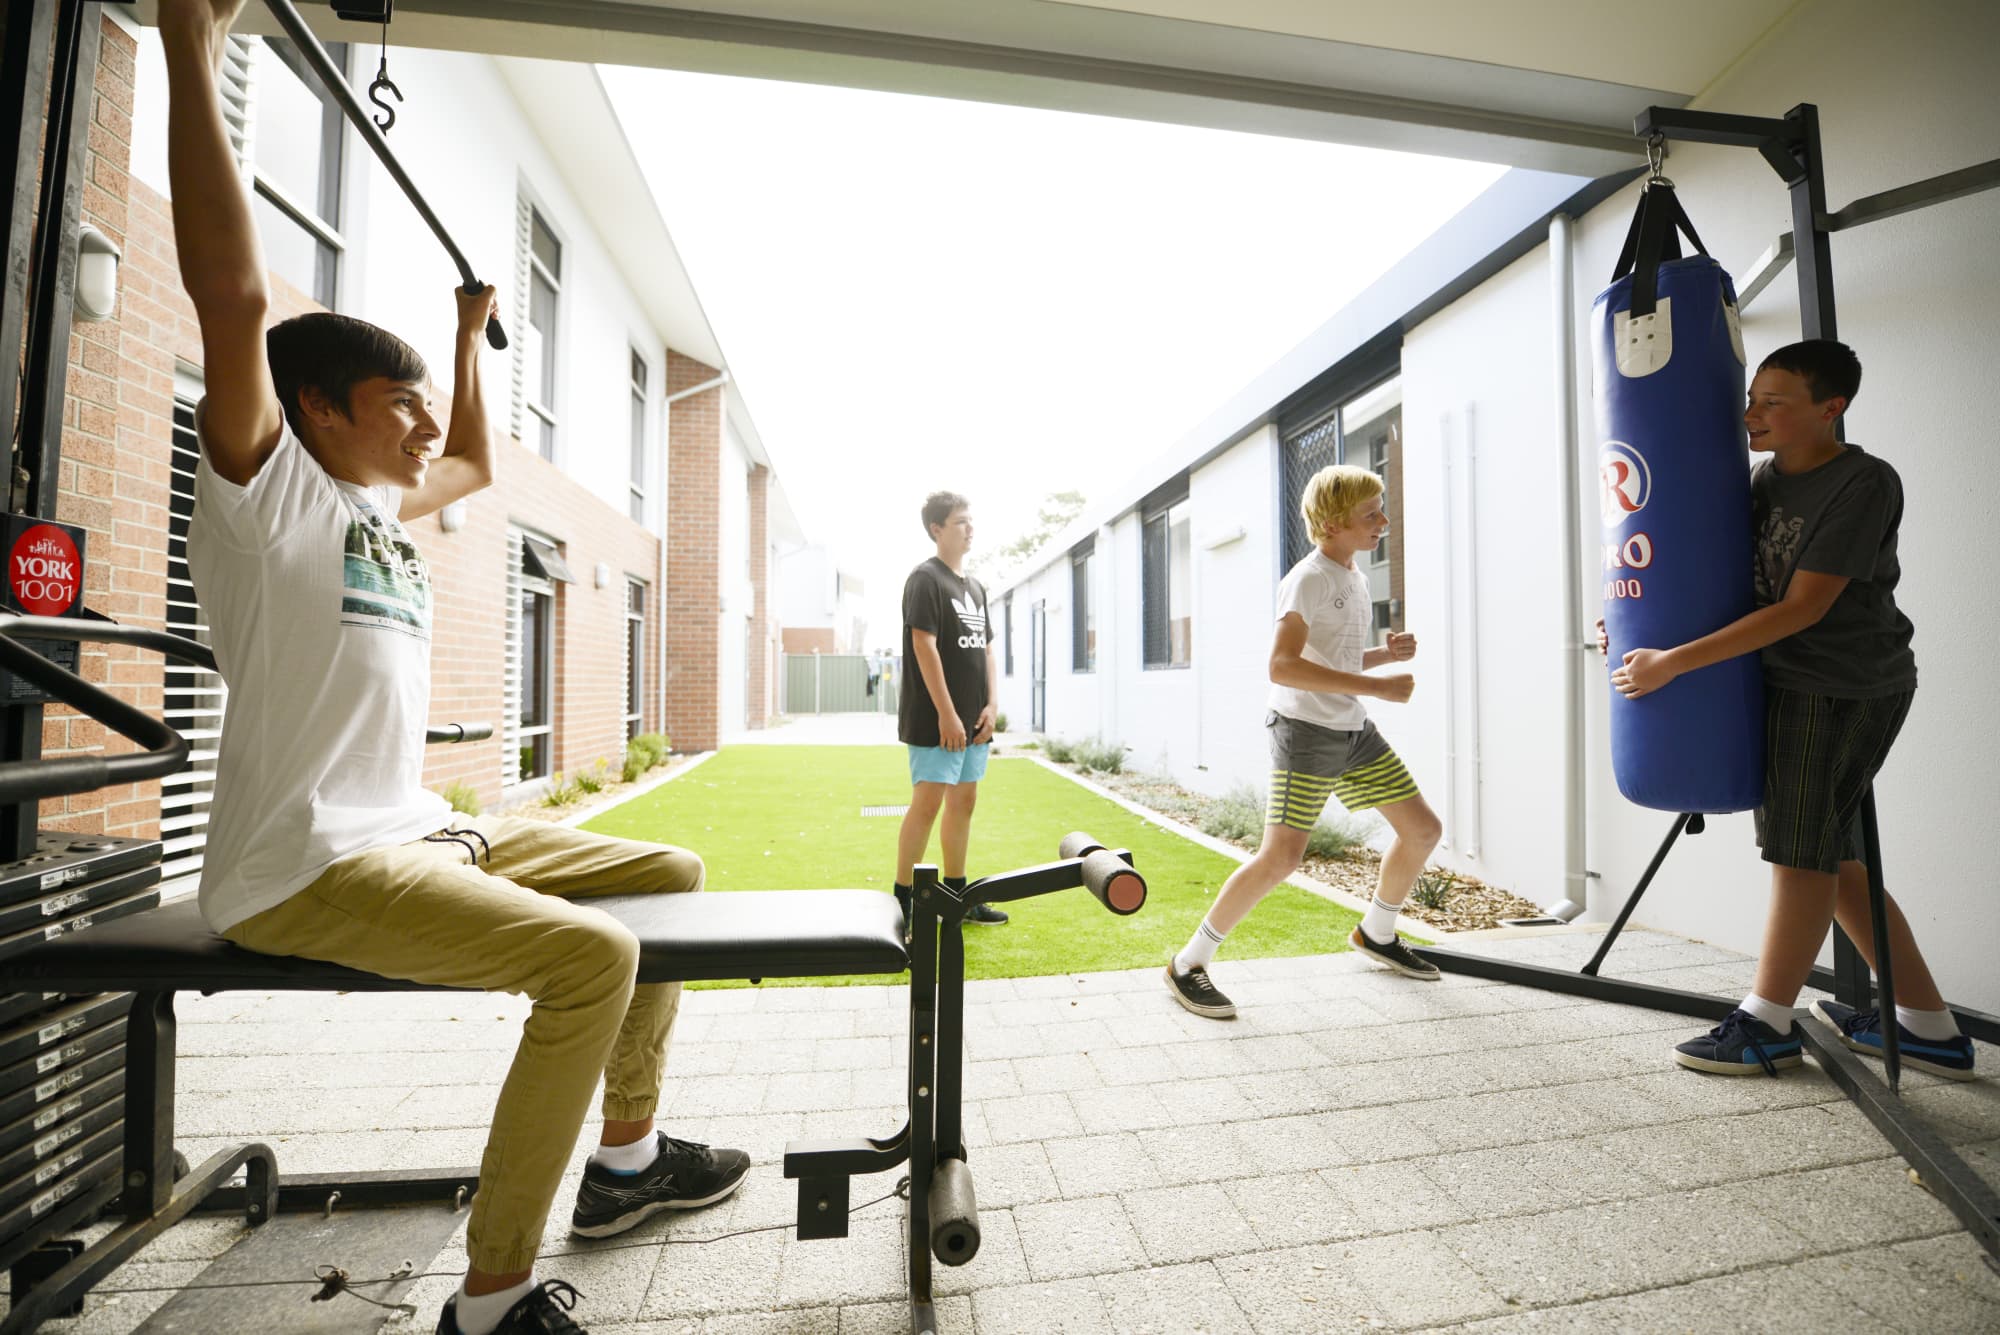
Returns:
point(1339, 614)
point(319, 608)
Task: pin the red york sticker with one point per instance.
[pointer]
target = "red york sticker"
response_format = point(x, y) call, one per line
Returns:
point(44, 571)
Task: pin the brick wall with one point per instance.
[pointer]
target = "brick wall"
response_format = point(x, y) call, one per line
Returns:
point(694, 557)
point(758, 642)
point(115, 482)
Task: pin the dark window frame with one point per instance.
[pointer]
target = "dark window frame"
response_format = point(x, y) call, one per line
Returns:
point(1156, 578)
point(1082, 618)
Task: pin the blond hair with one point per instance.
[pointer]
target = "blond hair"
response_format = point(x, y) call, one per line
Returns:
point(1332, 495)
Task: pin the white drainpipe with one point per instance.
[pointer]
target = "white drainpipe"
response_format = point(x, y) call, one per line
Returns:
point(1562, 283)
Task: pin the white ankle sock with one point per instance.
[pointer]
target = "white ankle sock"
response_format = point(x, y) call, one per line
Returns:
point(479, 1316)
point(1200, 949)
point(1380, 921)
point(1938, 1025)
point(627, 1158)
point(1778, 1017)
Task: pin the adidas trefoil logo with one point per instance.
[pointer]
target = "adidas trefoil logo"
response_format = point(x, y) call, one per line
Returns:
point(973, 620)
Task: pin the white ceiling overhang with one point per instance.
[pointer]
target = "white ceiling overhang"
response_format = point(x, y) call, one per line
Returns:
point(1546, 84)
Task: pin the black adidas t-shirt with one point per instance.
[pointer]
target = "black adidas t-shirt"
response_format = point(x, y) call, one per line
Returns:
point(953, 608)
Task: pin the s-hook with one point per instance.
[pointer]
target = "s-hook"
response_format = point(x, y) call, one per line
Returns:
point(383, 83)
point(1656, 158)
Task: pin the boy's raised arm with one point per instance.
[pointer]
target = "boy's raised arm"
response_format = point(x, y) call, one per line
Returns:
point(221, 260)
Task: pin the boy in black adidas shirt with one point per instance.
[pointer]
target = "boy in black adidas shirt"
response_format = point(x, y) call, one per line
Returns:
point(946, 712)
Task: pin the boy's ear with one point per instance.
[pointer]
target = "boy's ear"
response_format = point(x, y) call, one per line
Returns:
point(1832, 408)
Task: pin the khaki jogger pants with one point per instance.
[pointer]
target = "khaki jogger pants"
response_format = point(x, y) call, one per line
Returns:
point(424, 911)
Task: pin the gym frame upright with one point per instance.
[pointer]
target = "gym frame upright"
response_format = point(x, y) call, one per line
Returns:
point(1791, 146)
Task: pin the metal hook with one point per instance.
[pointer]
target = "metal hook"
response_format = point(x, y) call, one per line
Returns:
point(384, 84)
point(1656, 158)
point(330, 1199)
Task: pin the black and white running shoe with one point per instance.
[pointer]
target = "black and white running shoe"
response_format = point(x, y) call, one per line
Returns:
point(682, 1176)
point(1193, 990)
point(545, 1311)
point(1395, 954)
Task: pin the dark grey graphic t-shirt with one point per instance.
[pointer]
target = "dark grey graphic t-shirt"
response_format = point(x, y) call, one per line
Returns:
point(953, 608)
point(1838, 519)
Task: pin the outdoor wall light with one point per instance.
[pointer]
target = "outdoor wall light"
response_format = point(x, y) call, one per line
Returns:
point(96, 274)
point(600, 575)
point(452, 518)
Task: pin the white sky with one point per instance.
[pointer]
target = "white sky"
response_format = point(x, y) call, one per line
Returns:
point(916, 293)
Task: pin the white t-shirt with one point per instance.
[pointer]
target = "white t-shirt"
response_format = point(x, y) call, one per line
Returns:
point(1339, 613)
point(319, 608)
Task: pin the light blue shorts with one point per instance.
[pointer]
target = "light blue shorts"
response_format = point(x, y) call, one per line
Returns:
point(934, 764)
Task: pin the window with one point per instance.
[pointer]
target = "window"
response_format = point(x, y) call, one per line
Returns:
point(1364, 429)
point(1082, 618)
point(638, 483)
point(542, 261)
point(635, 657)
point(534, 568)
point(294, 159)
point(1166, 578)
point(1007, 632)
point(194, 698)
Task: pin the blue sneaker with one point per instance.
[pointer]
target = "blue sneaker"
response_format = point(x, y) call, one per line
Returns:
point(1743, 1045)
point(1862, 1031)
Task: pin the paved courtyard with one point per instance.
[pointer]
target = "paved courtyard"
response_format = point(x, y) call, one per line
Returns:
point(1356, 1151)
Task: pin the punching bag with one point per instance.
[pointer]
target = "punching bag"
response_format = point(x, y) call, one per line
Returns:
point(1674, 486)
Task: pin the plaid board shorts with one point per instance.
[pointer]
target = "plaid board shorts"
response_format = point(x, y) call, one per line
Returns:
point(1820, 755)
point(1310, 764)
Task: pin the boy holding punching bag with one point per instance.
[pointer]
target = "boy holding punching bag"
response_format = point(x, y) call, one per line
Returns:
point(1839, 677)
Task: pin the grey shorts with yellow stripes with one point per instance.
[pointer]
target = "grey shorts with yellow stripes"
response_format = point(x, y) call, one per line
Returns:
point(1310, 764)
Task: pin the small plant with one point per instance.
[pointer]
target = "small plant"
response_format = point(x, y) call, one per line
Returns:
point(1058, 750)
point(655, 746)
point(999, 723)
point(1433, 888)
point(1237, 816)
point(1091, 754)
point(1333, 837)
point(560, 793)
point(462, 796)
point(593, 779)
point(637, 761)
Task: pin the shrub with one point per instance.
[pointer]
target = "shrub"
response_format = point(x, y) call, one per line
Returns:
point(655, 745)
point(593, 779)
point(999, 723)
point(1433, 888)
point(1091, 754)
point(1057, 750)
point(637, 761)
point(462, 796)
point(1331, 838)
point(1237, 816)
point(561, 794)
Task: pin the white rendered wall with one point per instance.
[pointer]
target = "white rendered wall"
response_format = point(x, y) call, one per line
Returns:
point(737, 591)
point(1898, 101)
point(807, 588)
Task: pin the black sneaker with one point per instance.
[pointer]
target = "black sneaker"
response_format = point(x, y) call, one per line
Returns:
point(682, 1176)
point(1862, 1031)
point(545, 1311)
point(1193, 990)
point(1396, 955)
point(1743, 1045)
point(985, 914)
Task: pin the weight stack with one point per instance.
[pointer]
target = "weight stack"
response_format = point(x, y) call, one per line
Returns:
point(62, 1058)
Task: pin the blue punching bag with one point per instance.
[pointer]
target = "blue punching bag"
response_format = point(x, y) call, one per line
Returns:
point(1674, 483)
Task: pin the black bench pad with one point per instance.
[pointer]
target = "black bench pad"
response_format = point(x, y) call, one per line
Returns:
point(739, 934)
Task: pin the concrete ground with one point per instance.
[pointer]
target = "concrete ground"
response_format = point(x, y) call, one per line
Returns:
point(1356, 1151)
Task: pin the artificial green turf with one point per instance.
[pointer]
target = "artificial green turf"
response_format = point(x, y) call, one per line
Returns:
point(789, 818)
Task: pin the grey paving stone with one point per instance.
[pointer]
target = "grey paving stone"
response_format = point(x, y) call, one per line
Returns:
point(1716, 1150)
point(1131, 1065)
point(784, 1321)
point(731, 1273)
point(1030, 1117)
point(1622, 1247)
point(1061, 1307)
point(265, 1112)
point(1413, 1279)
point(773, 1055)
point(1299, 1291)
point(1000, 1261)
point(865, 1266)
point(1202, 1102)
point(1376, 1133)
point(686, 1060)
point(1278, 1094)
point(1000, 1043)
point(807, 1091)
point(1077, 1036)
point(1393, 1197)
point(1128, 1108)
point(720, 1096)
point(1185, 1154)
point(1939, 1284)
point(1191, 1223)
point(1053, 1074)
point(1008, 1175)
point(612, 1284)
point(954, 1317)
point(1521, 1179)
point(1855, 1205)
point(1292, 1144)
point(1101, 1165)
point(1171, 1300)
point(988, 1080)
point(1064, 1239)
point(1293, 1209)
point(1972, 1105)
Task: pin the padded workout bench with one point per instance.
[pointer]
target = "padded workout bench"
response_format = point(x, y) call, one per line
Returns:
point(755, 935)
point(688, 937)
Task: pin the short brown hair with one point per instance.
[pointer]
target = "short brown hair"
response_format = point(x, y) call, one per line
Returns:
point(332, 354)
point(940, 506)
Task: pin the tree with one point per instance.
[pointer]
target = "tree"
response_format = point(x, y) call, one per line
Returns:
point(1057, 510)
